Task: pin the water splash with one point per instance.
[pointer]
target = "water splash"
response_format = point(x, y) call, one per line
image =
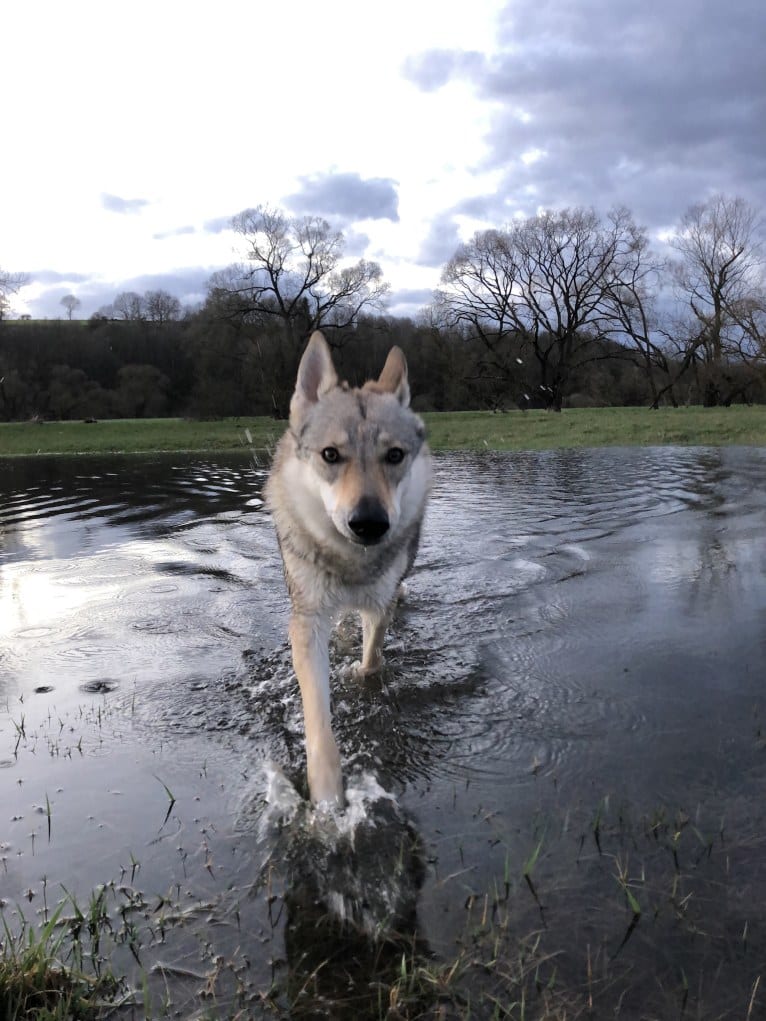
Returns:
point(362, 865)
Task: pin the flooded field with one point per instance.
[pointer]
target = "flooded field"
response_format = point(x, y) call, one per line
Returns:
point(556, 786)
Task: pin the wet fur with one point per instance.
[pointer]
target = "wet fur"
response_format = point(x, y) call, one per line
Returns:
point(316, 506)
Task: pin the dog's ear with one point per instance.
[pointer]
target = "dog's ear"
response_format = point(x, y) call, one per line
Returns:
point(393, 378)
point(316, 375)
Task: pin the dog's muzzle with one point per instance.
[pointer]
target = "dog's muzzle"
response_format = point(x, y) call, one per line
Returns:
point(369, 521)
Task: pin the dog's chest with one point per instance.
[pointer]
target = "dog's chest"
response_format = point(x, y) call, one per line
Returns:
point(327, 582)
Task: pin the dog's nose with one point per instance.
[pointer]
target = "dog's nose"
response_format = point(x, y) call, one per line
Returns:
point(369, 521)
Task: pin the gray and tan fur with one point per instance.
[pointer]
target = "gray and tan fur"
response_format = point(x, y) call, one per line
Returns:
point(347, 491)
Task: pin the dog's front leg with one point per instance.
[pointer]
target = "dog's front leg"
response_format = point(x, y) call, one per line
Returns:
point(373, 633)
point(310, 637)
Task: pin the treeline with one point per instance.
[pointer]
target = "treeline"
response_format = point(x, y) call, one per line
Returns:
point(563, 309)
point(205, 366)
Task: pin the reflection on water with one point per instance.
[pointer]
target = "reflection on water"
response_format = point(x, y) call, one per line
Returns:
point(582, 654)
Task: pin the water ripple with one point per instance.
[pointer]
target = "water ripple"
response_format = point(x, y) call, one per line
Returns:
point(548, 590)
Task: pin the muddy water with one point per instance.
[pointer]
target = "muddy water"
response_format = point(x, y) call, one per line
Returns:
point(572, 707)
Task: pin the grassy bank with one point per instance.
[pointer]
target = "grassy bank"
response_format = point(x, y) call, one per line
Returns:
point(466, 430)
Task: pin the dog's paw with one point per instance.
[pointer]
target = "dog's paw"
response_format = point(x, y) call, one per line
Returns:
point(402, 592)
point(349, 671)
point(359, 672)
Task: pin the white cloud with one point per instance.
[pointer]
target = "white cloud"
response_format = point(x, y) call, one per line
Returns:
point(117, 204)
point(134, 132)
point(532, 156)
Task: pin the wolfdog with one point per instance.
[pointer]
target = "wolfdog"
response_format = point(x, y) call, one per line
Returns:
point(347, 492)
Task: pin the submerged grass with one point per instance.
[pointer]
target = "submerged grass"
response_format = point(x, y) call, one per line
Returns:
point(624, 926)
point(464, 430)
point(633, 932)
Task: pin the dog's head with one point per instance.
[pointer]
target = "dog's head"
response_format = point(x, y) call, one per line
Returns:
point(364, 448)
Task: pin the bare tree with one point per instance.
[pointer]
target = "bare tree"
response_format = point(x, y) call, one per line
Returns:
point(633, 319)
point(719, 277)
point(128, 305)
point(546, 284)
point(10, 283)
point(481, 287)
point(71, 304)
point(749, 315)
point(477, 300)
point(294, 274)
point(161, 307)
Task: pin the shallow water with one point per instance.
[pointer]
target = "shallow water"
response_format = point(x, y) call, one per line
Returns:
point(578, 669)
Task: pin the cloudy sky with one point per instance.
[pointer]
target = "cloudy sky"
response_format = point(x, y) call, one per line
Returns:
point(132, 133)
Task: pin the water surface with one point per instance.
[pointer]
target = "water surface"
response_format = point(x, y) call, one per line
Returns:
point(573, 691)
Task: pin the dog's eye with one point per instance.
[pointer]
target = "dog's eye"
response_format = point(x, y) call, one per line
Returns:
point(331, 455)
point(395, 455)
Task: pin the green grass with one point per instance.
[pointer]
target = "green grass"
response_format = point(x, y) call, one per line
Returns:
point(464, 430)
point(125, 436)
point(598, 427)
point(43, 978)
